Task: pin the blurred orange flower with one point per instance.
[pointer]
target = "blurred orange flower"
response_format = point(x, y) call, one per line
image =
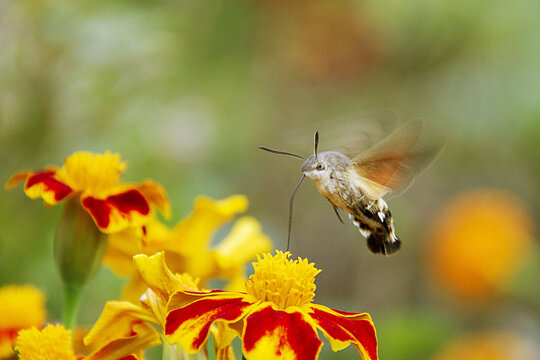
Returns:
point(478, 242)
point(495, 345)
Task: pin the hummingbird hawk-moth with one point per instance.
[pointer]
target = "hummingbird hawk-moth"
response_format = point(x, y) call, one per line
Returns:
point(357, 183)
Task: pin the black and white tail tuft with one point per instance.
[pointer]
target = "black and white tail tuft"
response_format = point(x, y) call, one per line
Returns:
point(380, 240)
point(383, 243)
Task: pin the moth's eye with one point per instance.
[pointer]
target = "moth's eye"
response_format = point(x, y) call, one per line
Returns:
point(320, 167)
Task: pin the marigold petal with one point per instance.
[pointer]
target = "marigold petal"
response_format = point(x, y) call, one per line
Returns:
point(190, 325)
point(237, 282)
point(242, 244)
point(42, 184)
point(142, 337)
point(194, 232)
point(121, 247)
point(156, 274)
point(16, 178)
point(156, 196)
point(134, 289)
point(202, 264)
point(223, 335)
point(118, 211)
point(343, 328)
point(225, 353)
point(116, 321)
point(271, 334)
point(183, 297)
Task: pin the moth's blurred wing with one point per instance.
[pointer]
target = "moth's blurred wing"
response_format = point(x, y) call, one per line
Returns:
point(390, 166)
point(355, 133)
point(349, 134)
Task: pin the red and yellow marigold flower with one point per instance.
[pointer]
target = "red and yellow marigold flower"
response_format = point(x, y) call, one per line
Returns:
point(21, 307)
point(188, 245)
point(275, 317)
point(478, 242)
point(94, 178)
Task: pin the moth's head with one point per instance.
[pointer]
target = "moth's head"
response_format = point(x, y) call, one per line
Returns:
point(314, 168)
point(319, 166)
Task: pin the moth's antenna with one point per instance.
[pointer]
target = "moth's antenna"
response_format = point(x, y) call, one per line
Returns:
point(290, 211)
point(281, 152)
point(316, 143)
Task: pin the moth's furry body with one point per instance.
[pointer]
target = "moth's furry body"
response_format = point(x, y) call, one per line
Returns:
point(336, 179)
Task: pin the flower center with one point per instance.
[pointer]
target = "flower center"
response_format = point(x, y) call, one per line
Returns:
point(53, 342)
point(92, 173)
point(282, 281)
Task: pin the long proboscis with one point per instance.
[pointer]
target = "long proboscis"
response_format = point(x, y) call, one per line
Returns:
point(291, 210)
point(281, 152)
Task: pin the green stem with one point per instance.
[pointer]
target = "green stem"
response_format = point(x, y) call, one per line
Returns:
point(72, 297)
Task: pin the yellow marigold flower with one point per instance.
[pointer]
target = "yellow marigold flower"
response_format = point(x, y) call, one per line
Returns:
point(54, 342)
point(127, 328)
point(494, 345)
point(118, 317)
point(21, 307)
point(51, 343)
point(478, 242)
point(161, 283)
point(274, 318)
point(187, 245)
point(124, 342)
point(94, 178)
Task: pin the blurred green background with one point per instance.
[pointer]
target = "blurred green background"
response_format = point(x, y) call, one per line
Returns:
point(186, 91)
